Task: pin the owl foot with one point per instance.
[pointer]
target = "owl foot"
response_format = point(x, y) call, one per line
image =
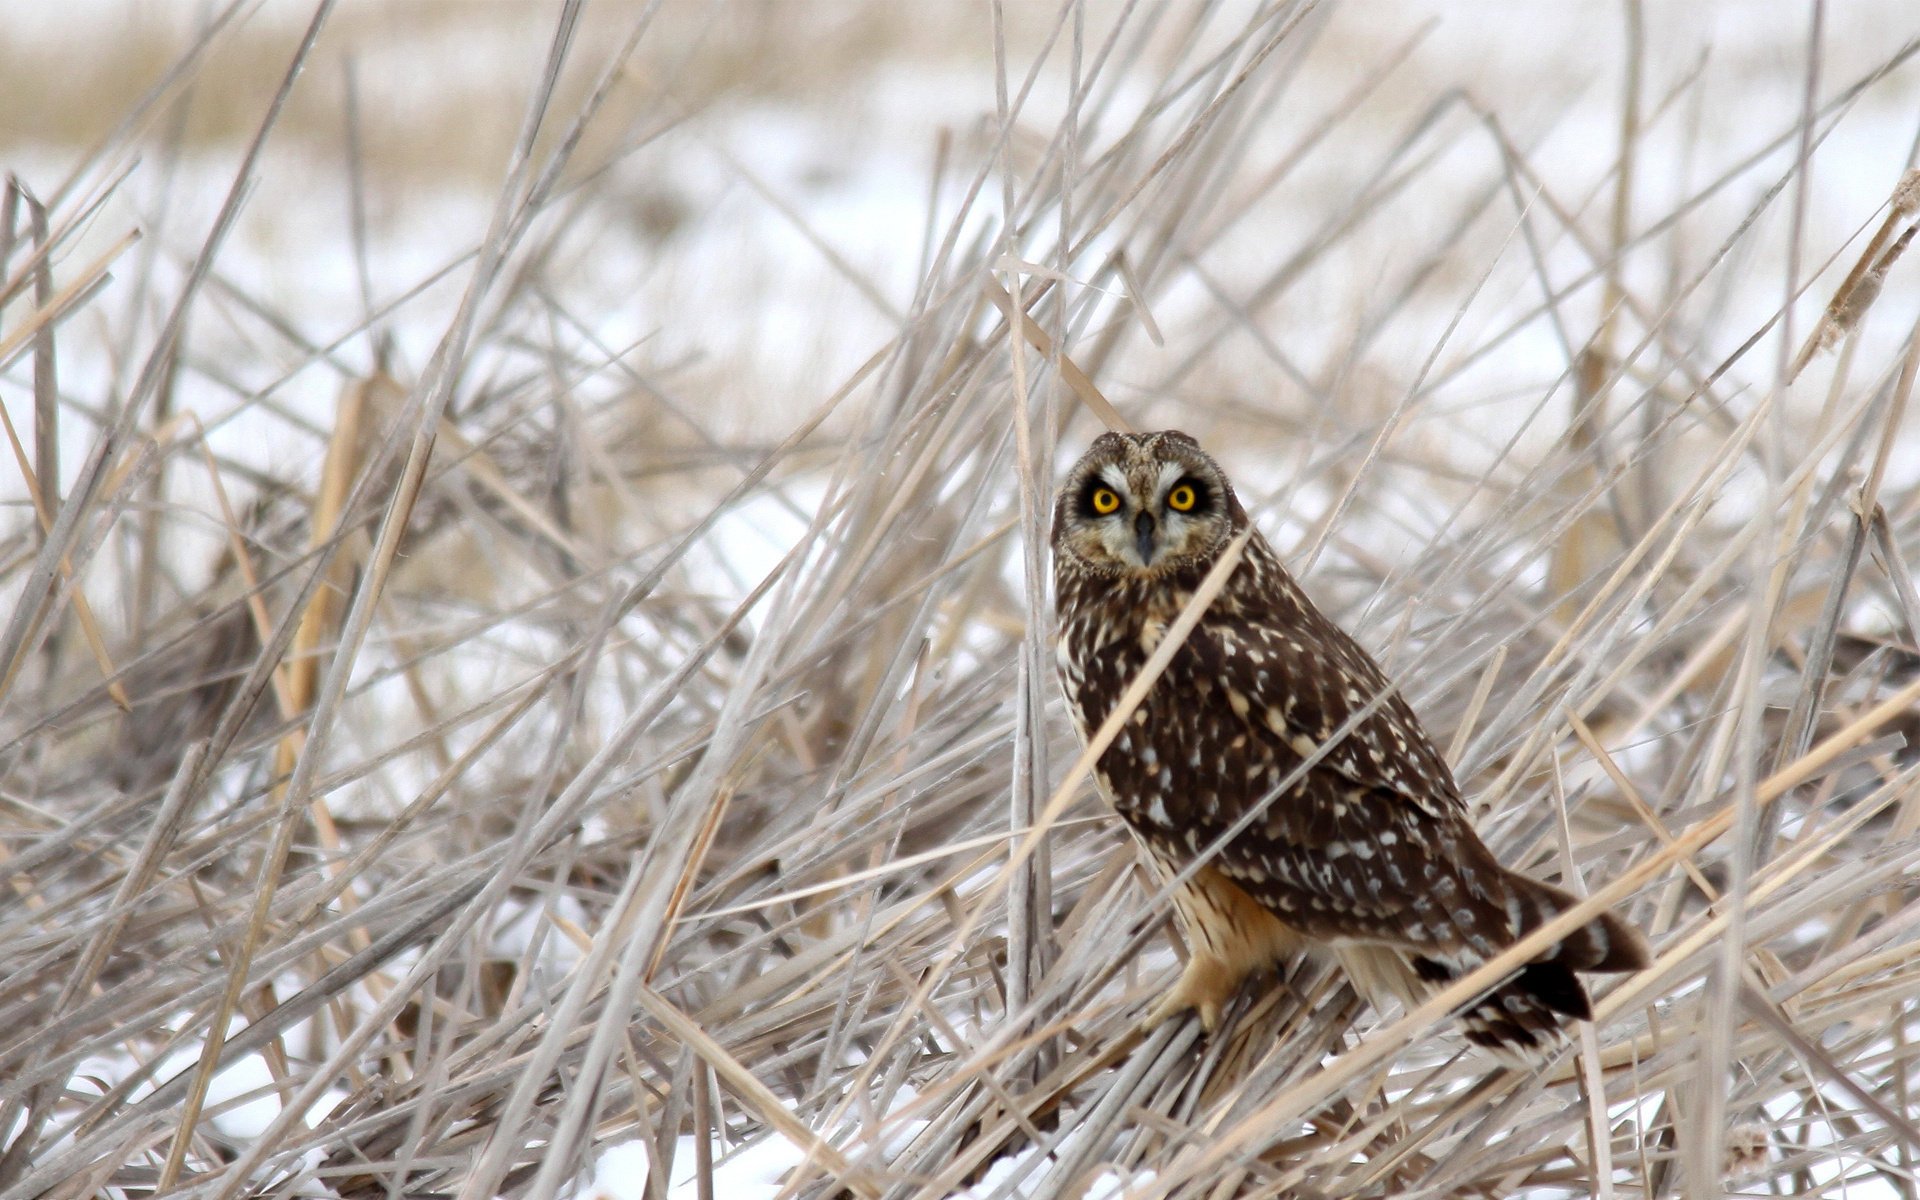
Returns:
point(1207, 986)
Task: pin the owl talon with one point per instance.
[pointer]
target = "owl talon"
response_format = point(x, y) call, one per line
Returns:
point(1206, 986)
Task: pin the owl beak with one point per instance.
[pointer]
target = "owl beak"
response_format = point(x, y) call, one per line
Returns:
point(1143, 532)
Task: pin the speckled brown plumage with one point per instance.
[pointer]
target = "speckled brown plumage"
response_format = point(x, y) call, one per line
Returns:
point(1370, 853)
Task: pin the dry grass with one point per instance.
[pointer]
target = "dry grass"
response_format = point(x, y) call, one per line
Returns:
point(476, 777)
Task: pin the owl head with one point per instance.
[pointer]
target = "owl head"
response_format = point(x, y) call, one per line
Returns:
point(1144, 504)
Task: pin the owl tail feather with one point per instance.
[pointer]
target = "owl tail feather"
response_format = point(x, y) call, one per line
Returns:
point(1523, 1019)
point(1604, 944)
point(1527, 1016)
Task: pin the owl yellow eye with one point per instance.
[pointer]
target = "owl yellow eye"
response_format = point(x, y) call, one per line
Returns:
point(1182, 499)
point(1105, 501)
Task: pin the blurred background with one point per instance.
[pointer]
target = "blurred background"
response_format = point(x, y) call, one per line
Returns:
point(755, 197)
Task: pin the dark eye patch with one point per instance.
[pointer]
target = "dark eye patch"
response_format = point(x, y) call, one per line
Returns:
point(1202, 494)
point(1088, 508)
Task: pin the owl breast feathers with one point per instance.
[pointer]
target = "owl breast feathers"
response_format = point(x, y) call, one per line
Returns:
point(1369, 854)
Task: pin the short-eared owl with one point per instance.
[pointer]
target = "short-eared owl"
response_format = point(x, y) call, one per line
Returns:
point(1370, 854)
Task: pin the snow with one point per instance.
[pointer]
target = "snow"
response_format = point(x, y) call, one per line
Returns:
point(758, 1170)
point(750, 1172)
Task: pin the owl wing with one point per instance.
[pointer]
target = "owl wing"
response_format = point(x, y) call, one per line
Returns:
point(1373, 841)
point(1300, 683)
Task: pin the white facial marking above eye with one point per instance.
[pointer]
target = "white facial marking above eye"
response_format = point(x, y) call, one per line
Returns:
point(1170, 473)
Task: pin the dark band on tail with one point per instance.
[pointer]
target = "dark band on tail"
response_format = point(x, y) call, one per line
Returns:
point(1604, 944)
point(1523, 1017)
point(1526, 1015)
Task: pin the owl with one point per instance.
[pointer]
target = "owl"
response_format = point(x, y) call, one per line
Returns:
point(1370, 855)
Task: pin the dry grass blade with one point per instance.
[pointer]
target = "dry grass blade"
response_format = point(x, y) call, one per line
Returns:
point(1071, 375)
